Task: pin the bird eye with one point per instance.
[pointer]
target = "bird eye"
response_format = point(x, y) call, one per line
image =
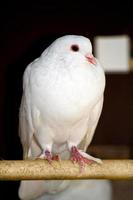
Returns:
point(74, 47)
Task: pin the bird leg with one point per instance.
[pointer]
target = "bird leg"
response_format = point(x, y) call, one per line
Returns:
point(82, 158)
point(49, 157)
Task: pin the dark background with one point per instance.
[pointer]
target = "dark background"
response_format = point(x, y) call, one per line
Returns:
point(26, 28)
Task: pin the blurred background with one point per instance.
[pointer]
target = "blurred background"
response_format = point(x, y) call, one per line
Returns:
point(27, 28)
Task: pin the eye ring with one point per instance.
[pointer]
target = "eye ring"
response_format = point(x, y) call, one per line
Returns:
point(75, 47)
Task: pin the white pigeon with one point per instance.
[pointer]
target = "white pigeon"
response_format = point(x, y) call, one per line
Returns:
point(61, 104)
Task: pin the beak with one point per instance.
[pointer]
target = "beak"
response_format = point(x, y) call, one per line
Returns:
point(91, 59)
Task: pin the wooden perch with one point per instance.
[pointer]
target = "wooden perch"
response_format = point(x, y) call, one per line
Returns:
point(41, 169)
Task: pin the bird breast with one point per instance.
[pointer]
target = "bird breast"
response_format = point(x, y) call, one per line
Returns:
point(66, 95)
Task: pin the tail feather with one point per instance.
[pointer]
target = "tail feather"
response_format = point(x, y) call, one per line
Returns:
point(31, 189)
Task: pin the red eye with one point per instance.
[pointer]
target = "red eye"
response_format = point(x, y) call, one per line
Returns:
point(75, 47)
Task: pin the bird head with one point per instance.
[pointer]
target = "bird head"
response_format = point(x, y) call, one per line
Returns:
point(73, 47)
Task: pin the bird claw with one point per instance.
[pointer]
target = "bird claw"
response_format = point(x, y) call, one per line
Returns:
point(82, 160)
point(56, 157)
point(49, 157)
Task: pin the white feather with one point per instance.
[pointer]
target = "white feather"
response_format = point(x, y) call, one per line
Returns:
point(61, 105)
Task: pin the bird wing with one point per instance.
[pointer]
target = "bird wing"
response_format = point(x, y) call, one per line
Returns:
point(28, 189)
point(94, 118)
point(32, 189)
point(26, 129)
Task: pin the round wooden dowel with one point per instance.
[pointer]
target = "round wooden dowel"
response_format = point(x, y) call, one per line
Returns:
point(41, 169)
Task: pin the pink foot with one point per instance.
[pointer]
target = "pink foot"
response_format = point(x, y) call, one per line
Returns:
point(48, 156)
point(76, 157)
point(56, 157)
